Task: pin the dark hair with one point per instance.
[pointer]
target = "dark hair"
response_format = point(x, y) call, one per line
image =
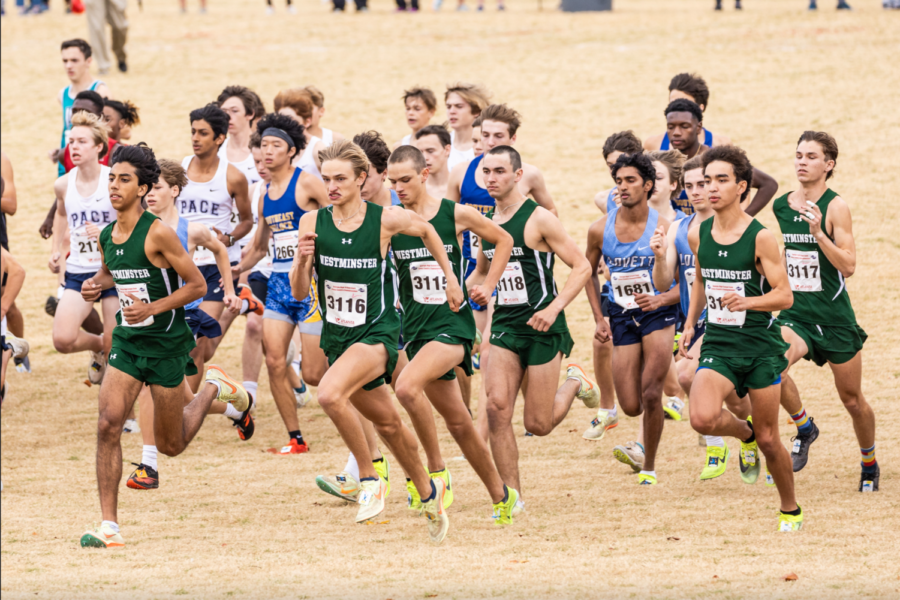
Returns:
point(685, 105)
point(77, 43)
point(423, 94)
point(141, 157)
point(247, 97)
point(737, 158)
point(128, 112)
point(623, 141)
point(441, 132)
point(408, 153)
point(217, 118)
point(255, 140)
point(829, 146)
point(289, 125)
point(514, 157)
point(690, 164)
point(376, 149)
point(642, 163)
point(94, 97)
point(692, 85)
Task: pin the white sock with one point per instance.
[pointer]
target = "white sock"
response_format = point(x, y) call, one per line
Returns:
point(650, 473)
point(112, 525)
point(148, 456)
point(352, 467)
point(612, 412)
point(251, 387)
point(245, 307)
point(714, 440)
point(296, 365)
point(231, 412)
point(59, 292)
point(217, 384)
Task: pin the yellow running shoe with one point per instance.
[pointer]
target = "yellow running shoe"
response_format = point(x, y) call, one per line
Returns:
point(438, 522)
point(371, 499)
point(383, 468)
point(342, 485)
point(750, 463)
point(588, 392)
point(632, 454)
point(789, 523)
point(229, 390)
point(448, 482)
point(601, 424)
point(674, 408)
point(645, 479)
point(770, 481)
point(102, 537)
point(413, 500)
point(716, 459)
point(503, 511)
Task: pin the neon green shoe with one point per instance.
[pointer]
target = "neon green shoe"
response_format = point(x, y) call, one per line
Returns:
point(716, 459)
point(383, 468)
point(503, 511)
point(644, 479)
point(413, 500)
point(674, 408)
point(789, 523)
point(478, 338)
point(448, 481)
point(770, 481)
point(102, 537)
point(750, 463)
point(587, 392)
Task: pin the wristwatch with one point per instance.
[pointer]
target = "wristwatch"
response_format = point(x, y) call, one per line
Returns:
point(230, 241)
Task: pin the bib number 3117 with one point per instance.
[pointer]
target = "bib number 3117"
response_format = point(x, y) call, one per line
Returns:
point(803, 271)
point(346, 303)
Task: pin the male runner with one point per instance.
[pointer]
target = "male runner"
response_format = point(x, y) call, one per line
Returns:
point(92, 102)
point(378, 152)
point(529, 334)
point(347, 245)
point(742, 348)
point(298, 104)
point(12, 276)
point(434, 142)
point(144, 260)
point(622, 142)
point(420, 105)
point(464, 102)
point(120, 117)
point(689, 86)
point(8, 207)
point(641, 318)
point(327, 136)
point(291, 193)
point(820, 253)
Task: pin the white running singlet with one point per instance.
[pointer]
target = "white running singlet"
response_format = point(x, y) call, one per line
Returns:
point(458, 156)
point(264, 266)
point(209, 203)
point(84, 253)
point(327, 137)
point(307, 161)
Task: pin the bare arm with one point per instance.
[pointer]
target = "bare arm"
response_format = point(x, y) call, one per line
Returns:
point(842, 251)
point(469, 219)
point(199, 235)
point(698, 298)
point(59, 223)
point(15, 277)
point(260, 245)
point(315, 191)
point(652, 143)
point(8, 203)
point(663, 246)
point(539, 192)
point(455, 182)
point(765, 187)
point(103, 90)
point(594, 254)
point(237, 188)
point(304, 258)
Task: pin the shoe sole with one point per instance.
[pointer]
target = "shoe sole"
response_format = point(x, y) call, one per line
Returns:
point(361, 520)
point(814, 437)
point(90, 541)
point(137, 486)
point(671, 414)
point(331, 491)
point(602, 433)
point(622, 457)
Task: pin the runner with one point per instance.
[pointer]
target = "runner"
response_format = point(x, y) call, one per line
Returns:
point(434, 142)
point(820, 253)
point(420, 105)
point(291, 193)
point(12, 276)
point(529, 334)
point(143, 259)
point(623, 142)
point(689, 86)
point(8, 207)
point(298, 105)
point(641, 319)
point(347, 246)
point(92, 102)
point(378, 152)
point(464, 102)
point(668, 165)
point(742, 348)
point(327, 136)
point(121, 118)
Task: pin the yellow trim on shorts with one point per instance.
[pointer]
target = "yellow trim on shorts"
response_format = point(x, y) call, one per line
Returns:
point(314, 315)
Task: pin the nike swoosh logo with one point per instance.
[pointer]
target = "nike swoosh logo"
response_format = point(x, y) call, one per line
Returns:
point(643, 248)
point(672, 319)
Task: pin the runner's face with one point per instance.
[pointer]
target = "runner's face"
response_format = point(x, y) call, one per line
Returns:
point(203, 140)
point(276, 153)
point(408, 184)
point(259, 161)
point(683, 129)
point(417, 114)
point(810, 163)
point(499, 177)
point(664, 188)
point(722, 186)
point(161, 196)
point(494, 133)
point(695, 187)
point(75, 64)
point(82, 148)
point(612, 158)
point(676, 94)
point(632, 188)
point(124, 190)
point(317, 113)
point(435, 155)
point(113, 120)
point(340, 182)
point(459, 113)
point(238, 119)
point(478, 146)
point(374, 184)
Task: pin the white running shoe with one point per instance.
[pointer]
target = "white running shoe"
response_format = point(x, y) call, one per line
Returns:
point(302, 395)
point(97, 367)
point(370, 499)
point(131, 426)
point(631, 454)
point(229, 390)
point(602, 423)
point(343, 485)
point(438, 522)
point(20, 347)
point(588, 392)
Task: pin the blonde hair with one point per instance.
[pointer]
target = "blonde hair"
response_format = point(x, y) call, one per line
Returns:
point(476, 96)
point(299, 99)
point(502, 113)
point(172, 173)
point(674, 161)
point(99, 130)
point(347, 151)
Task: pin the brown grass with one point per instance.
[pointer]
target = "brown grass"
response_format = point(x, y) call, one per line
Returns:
point(231, 521)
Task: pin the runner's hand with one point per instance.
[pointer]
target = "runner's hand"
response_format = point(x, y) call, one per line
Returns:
point(92, 230)
point(455, 296)
point(53, 264)
point(659, 243)
point(813, 216)
point(90, 291)
point(687, 336)
point(735, 303)
point(138, 312)
point(232, 303)
point(648, 302)
point(602, 334)
point(46, 228)
point(306, 245)
point(479, 295)
point(220, 236)
point(543, 319)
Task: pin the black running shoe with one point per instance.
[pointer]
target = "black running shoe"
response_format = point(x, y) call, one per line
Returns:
point(244, 425)
point(802, 442)
point(50, 305)
point(868, 481)
point(143, 478)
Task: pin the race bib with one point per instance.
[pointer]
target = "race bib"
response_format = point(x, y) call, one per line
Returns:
point(626, 285)
point(346, 303)
point(511, 288)
point(266, 263)
point(428, 282)
point(87, 249)
point(286, 244)
point(139, 291)
point(716, 312)
point(204, 256)
point(689, 276)
point(803, 271)
point(474, 245)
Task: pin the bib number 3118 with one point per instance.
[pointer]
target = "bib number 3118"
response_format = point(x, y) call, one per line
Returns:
point(346, 303)
point(511, 288)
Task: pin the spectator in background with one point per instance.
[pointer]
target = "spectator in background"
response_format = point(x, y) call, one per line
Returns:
point(100, 12)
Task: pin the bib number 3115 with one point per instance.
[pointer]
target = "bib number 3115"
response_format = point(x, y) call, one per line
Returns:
point(429, 285)
point(346, 303)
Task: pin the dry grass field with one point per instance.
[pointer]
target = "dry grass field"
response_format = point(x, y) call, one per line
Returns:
point(232, 521)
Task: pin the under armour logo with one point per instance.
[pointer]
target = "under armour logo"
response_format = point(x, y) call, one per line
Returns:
point(112, 357)
point(120, 252)
point(346, 241)
point(723, 253)
point(797, 219)
point(707, 360)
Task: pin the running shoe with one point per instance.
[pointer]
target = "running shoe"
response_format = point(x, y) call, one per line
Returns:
point(602, 423)
point(438, 523)
point(788, 523)
point(50, 305)
point(770, 481)
point(750, 461)
point(293, 447)
point(371, 499)
point(131, 426)
point(868, 481)
point(674, 408)
point(102, 537)
point(342, 485)
point(143, 478)
point(716, 460)
point(519, 507)
point(448, 485)
point(844, 6)
point(383, 468)
point(20, 347)
point(631, 454)
point(413, 500)
point(23, 365)
point(503, 511)
point(587, 392)
point(478, 338)
point(476, 361)
point(254, 304)
point(245, 425)
point(229, 390)
point(302, 395)
point(96, 367)
point(645, 479)
point(802, 442)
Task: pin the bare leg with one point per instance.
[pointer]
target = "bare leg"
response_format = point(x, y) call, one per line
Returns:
point(15, 321)
point(790, 395)
point(68, 337)
point(708, 416)
point(213, 309)
point(174, 424)
point(465, 386)
point(503, 377)
point(315, 363)
point(765, 426)
point(670, 385)
point(541, 414)
point(603, 373)
point(92, 323)
point(277, 336)
point(252, 350)
point(420, 411)
point(848, 381)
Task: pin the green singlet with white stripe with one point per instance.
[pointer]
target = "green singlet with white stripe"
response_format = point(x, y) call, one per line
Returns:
point(168, 335)
point(423, 295)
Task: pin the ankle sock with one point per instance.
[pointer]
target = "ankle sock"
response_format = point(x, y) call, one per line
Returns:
point(801, 420)
point(231, 412)
point(431, 495)
point(296, 435)
point(752, 437)
point(112, 525)
point(148, 457)
point(868, 458)
point(245, 307)
point(793, 513)
point(252, 388)
point(352, 466)
point(650, 473)
point(639, 445)
point(612, 412)
point(217, 384)
point(714, 441)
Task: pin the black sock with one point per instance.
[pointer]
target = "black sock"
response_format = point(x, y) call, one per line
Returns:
point(379, 459)
point(296, 435)
point(793, 513)
point(752, 437)
point(431, 495)
point(368, 479)
point(505, 494)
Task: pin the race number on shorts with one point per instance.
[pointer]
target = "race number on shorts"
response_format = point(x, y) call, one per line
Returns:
point(286, 244)
point(716, 311)
point(689, 276)
point(345, 303)
point(626, 285)
point(139, 291)
point(511, 288)
point(803, 271)
point(87, 249)
point(428, 282)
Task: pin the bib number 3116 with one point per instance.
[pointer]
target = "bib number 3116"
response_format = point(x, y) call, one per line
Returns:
point(803, 271)
point(345, 303)
point(139, 291)
point(716, 311)
point(626, 285)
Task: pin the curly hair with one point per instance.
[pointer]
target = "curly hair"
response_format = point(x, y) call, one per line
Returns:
point(217, 118)
point(642, 163)
point(623, 141)
point(141, 157)
point(128, 112)
point(376, 149)
point(288, 125)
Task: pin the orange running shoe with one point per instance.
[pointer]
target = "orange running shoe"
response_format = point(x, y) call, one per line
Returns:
point(254, 304)
point(292, 448)
point(143, 478)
